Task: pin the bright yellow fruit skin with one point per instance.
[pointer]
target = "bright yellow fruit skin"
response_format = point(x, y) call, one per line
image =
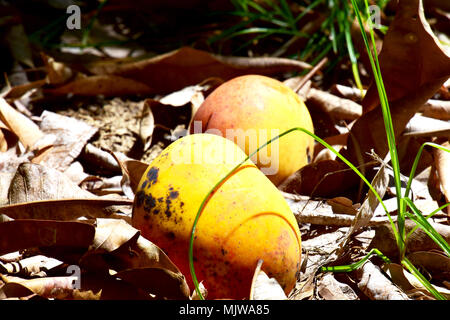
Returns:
point(245, 219)
point(260, 103)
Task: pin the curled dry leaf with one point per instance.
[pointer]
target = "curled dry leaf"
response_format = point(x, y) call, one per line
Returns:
point(100, 161)
point(132, 171)
point(130, 249)
point(26, 130)
point(342, 205)
point(120, 247)
point(31, 266)
point(49, 287)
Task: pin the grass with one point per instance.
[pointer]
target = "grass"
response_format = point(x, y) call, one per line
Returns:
point(405, 206)
point(273, 19)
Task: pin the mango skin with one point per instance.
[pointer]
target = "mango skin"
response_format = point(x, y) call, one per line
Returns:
point(261, 103)
point(245, 219)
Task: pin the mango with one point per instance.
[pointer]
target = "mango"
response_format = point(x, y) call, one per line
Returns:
point(245, 219)
point(253, 109)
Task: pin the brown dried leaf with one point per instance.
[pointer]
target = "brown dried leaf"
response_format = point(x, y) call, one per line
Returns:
point(412, 60)
point(171, 72)
point(25, 129)
point(435, 264)
point(376, 286)
point(125, 248)
point(64, 209)
point(106, 85)
point(71, 137)
point(410, 284)
point(50, 287)
point(338, 108)
point(23, 234)
point(437, 109)
point(33, 182)
point(420, 126)
point(414, 67)
point(265, 288)
point(162, 283)
point(384, 239)
point(331, 289)
point(442, 163)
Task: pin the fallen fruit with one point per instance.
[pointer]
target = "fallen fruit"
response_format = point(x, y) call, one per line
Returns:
point(251, 110)
point(245, 219)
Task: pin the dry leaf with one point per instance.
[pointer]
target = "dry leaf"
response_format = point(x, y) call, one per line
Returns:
point(31, 266)
point(71, 137)
point(410, 284)
point(50, 287)
point(25, 129)
point(366, 211)
point(23, 234)
point(106, 85)
point(162, 283)
point(442, 163)
point(338, 108)
point(342, 205)
point(331, 289)
point(435, 264)
point(64, 209)
point(376, 286)
point(33, 182)
point(437, 109)
point(420, 126)
point(384, 239)
point(265, 288)
point(170, 72)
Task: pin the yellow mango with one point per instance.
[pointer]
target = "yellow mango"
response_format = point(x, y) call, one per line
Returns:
point(245, 219)
point(252, 109)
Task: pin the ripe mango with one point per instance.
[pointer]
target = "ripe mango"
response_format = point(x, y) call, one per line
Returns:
point(245, 219)
point(244, 105)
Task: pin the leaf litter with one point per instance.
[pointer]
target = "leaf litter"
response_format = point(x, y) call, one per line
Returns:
point(69, 173)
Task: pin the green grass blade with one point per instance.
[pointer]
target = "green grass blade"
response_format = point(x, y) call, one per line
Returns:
point(406, 263)
point(423, 223)
point(356, 265)
point(202, 205)
point(428, 217)
point(416, 163)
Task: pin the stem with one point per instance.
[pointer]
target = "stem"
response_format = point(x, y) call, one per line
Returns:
point(356, 265)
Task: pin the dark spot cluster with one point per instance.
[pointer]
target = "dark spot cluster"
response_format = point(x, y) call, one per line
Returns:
point(153, 205)
point(152, 176)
